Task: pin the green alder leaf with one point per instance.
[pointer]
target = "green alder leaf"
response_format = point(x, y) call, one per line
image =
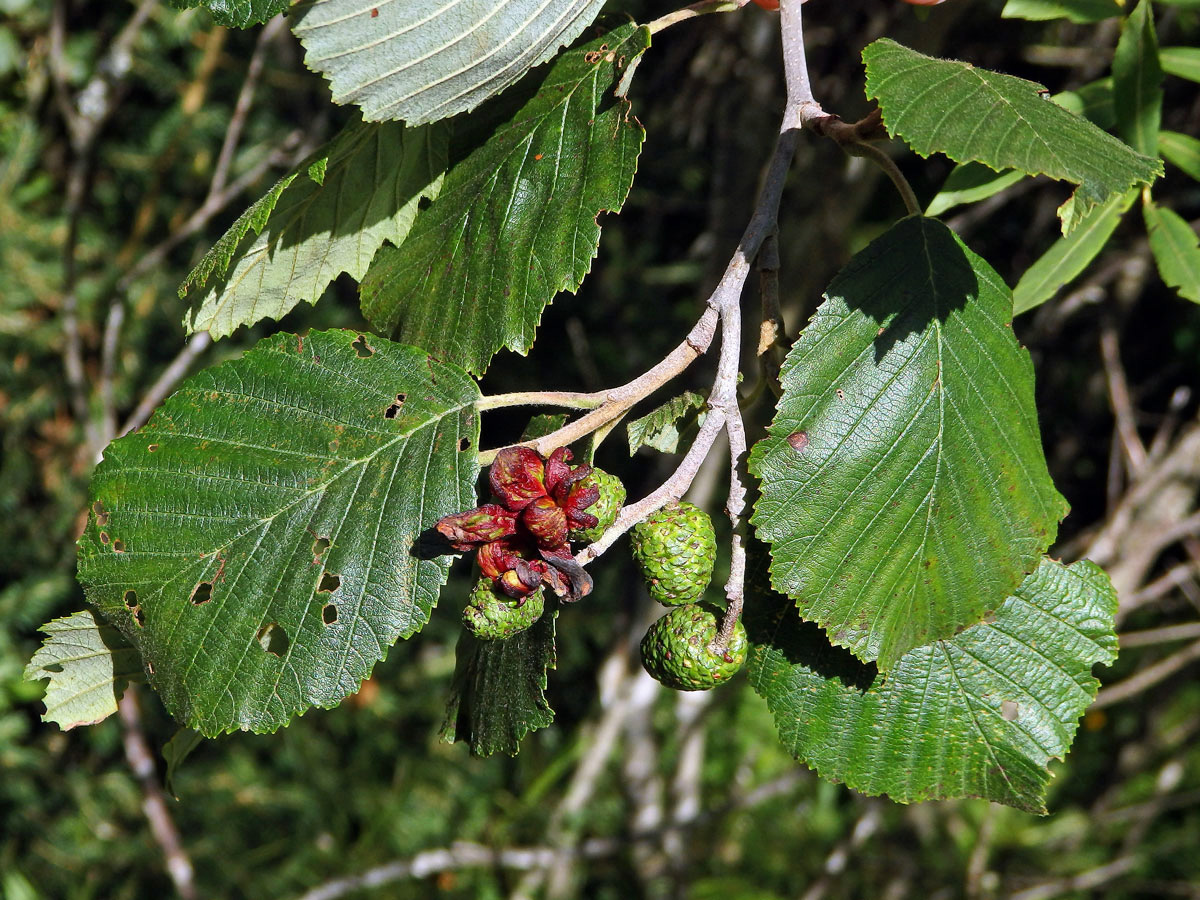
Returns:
point(1176, 250)
point(1069, 255)
point(1181, 149)
point(1082, 12)
point(542, 425)
point(1182, 62)
point(1137, 81)
point(499, 690)
point(970, 183)
point(980, 714)
point(237, 13)
point(264, 539)
point(659, 428)
point(1002, 122)
point(516, 221)
point(327, 217)
point(904, 489)
point(89, 665)
point(423, 60)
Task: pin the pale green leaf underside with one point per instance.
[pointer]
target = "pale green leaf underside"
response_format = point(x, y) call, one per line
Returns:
point(1182, 62)
point(977, 715)
point(1069, 255)
point(499, 690)
point(904, 489)
point(423, 60)
point(1080, 11)
point(237, 13)
point(1181, 149)
point(971, 114)
point(516, 220)
point(970, 183)
point(1176, 250)
point(261, 541)
point(326, 218)
point(659, 428)
point(88, 664)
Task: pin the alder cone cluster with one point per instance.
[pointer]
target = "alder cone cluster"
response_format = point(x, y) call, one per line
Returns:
point(676, 649)
point(675, 549)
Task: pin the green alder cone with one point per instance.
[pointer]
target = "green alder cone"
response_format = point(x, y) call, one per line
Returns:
point(675, 649)
point(493, 616)
point(606, 507)
point(675, 549)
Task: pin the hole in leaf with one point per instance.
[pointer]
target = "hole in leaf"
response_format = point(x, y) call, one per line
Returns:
point(398, 404)
point(464, 444)
point(150, 448)
point(202, 593)
point(101, 515)
point(119, 546)
point(424, 203)
point(320, 545)
point(104, 537)
point(273, 639)
point(329, 583)
point(139, 617)
point(131, 599)
point(329, 614)
point(53, 667)
point(361, 347)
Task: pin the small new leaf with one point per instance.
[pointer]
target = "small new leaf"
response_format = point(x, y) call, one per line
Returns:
point(1137, 81)
point(977, 715)
point(1002, 122)
point(89, 665)
point(237, 13)
point(659, 428)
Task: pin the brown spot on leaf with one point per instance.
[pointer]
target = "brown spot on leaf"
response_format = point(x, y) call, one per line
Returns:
point(798, 440)
point(1009, 710)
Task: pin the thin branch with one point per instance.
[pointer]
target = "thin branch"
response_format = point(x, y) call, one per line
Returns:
point(702, 8)
point(166, 381)
point(1147, 677)
point(1118, 392)
point(154, 801)
point(1163, 635)
point(567, 399)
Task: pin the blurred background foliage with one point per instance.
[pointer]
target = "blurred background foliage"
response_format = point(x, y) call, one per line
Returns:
point(679, 796)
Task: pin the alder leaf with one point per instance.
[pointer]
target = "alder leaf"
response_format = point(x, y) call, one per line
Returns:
point(1182, 62)
point(423, 60)
point(1181, 149)
point(237, 13)
point(89, 665)
point(1082, 12)
point(499, 690)
point(1137, 81)
point(516, 221)
point(904, 489)
point(970, 183)
point(977, 715)
point(264, 539)
point(1176, 250)
point(327, 217)
point(1070, 255)
point(1002, 122)
point(659, 428)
